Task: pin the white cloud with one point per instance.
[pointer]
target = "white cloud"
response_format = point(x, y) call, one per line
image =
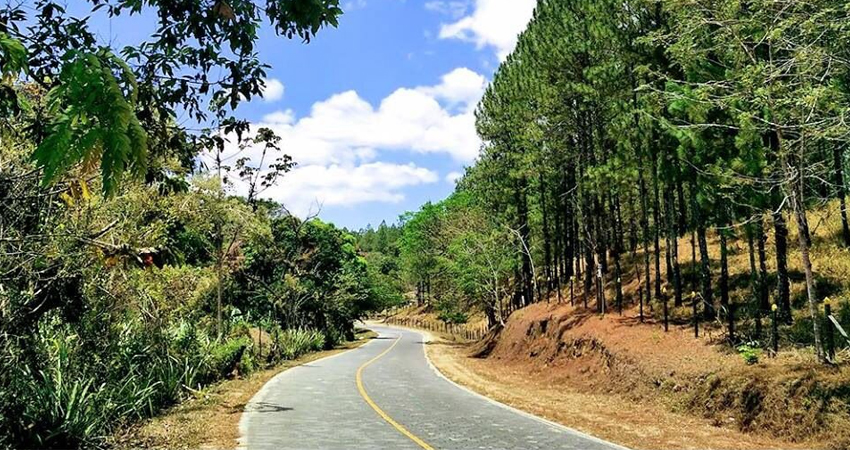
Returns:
point(339, 143)
point(452, 177)
point(273, 90)
point(453, 8)
point(307, 188)
point(492, 23)
point(459, 87)
point(286, 117)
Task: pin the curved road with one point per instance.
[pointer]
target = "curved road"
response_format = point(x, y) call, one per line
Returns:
point(401, 402)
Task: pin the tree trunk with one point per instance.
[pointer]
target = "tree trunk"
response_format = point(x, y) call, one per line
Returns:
point(840, 191)
point(618, 250)
point(754, 280)
point(705, 266)
point(656, 212)
point(693, 271)
point(783, 288)
point(644, 222)
point(724, 283)
point(524, 234)
point(547, 251)
point(674, 249)
point(763, 301)
point(800, 211)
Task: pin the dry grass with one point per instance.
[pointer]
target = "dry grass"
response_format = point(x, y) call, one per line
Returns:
point(211, 419)
point(648, 424)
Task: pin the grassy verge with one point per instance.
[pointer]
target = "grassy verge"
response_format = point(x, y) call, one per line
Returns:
point(211, 419)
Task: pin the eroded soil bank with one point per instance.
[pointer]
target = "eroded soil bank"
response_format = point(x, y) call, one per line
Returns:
point(635, 385)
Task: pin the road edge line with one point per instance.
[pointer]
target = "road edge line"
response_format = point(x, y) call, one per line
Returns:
point(244, 420)
point(428, 337)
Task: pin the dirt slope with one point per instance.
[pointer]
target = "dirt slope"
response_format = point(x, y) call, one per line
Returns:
point(637, 385)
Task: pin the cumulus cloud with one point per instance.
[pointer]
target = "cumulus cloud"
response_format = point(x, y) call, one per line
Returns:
point(337, 146)
point(309, 188)
point(459, 87)
point(452, 177)
point(492, 23)
point(273, 90)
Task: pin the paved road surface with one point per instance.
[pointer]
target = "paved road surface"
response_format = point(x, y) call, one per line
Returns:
point(319, 406)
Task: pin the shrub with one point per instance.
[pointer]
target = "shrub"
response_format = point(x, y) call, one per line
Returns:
point(225, 356)
point(293, 343)
point(749, 352)
point(455, 317)
point(246, 365)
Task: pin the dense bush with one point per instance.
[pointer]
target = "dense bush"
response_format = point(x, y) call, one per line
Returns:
point(96, 332)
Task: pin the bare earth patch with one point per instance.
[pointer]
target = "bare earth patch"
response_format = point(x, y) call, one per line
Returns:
point(647, 424)
point(211, 419)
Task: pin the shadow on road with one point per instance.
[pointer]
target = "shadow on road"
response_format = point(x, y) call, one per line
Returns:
point(265, 407)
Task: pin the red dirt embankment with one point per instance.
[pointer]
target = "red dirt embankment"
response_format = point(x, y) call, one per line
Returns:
point(638, 375)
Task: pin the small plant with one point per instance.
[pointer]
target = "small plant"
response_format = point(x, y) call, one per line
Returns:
point(455, 317)
point(749, 352)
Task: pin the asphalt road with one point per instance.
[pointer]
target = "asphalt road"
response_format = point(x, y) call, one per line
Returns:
point(398, 401)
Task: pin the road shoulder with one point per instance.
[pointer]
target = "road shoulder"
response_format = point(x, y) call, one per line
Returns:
point(211, 420)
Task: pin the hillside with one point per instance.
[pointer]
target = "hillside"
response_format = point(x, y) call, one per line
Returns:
point(609, 368)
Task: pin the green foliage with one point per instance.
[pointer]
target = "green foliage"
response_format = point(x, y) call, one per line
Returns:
point(115, 111)
point(225, 356)
point(749, 352)
point(293, 343)
point(93, 120)
point(108, 302)
point(110, 317)
point(455, 317)
point(13, 56)
point(464, 257)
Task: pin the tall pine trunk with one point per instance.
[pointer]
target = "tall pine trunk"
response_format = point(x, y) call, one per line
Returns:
point(763, 300)
point(798, 202)
point(656, 212)
point(673, 246)
point(525, 233)
point(840, 191)
point(644, 222)
point(724, 285)
point(783, 287)
point(705, 260)
point(547, 250)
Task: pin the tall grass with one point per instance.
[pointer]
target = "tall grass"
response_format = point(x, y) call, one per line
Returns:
point(65, 396)
point(292, 343)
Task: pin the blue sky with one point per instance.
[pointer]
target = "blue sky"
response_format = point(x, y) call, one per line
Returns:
point(378, 112)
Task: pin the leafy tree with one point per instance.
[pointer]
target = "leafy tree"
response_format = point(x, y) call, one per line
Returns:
point(118, 112)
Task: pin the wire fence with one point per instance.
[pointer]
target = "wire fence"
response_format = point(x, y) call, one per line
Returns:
point(464, 331)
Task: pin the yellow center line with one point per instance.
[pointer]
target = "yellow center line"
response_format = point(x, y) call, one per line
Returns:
point(385, 416)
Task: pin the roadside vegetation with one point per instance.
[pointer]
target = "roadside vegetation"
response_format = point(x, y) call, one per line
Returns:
point(210, 417)
point(138, 263)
